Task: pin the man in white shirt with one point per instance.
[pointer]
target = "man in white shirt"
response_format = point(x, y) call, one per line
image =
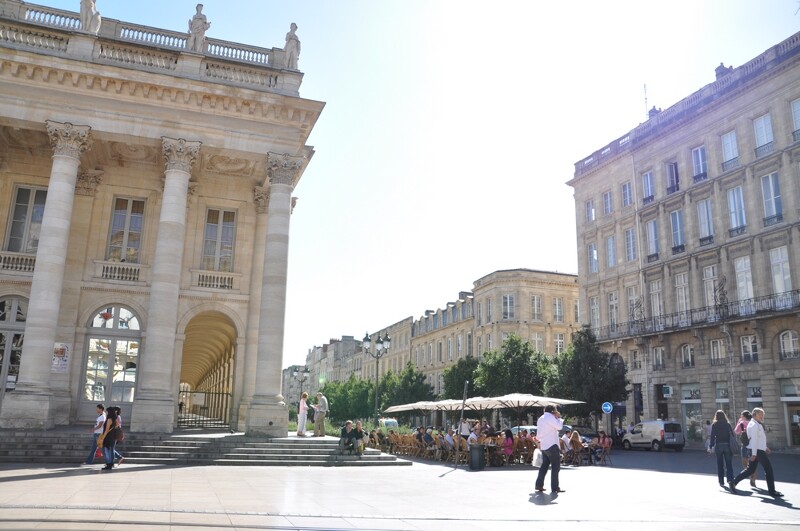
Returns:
point(96, 431)
point(473, 437)
point(758, 446)
point(547, 430)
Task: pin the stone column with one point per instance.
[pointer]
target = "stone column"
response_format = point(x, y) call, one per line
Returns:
point(154, 408)
point(268, 414)
point(31, 405)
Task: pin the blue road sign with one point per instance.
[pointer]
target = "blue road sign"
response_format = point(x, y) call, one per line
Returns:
point(608, 407)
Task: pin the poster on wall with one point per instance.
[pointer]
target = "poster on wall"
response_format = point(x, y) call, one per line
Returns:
point(60, 357)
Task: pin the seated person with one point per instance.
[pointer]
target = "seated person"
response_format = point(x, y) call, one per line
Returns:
point(508, 445)
point(565, 446)
point(473, 437)
point(360, 438)
point(380, 438)
point(604, 442)
point(594, 450)
point(347, 439)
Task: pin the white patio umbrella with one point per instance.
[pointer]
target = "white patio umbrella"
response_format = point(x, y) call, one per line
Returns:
point(424, 405)
point(518, 402)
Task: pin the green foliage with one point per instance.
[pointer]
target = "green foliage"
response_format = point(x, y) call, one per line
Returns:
point(583, 373)
point(515, 368)
point(455, 376)
point(349, 399)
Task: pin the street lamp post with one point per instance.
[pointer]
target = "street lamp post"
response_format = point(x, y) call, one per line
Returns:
point(381, 348)
point(301, 375)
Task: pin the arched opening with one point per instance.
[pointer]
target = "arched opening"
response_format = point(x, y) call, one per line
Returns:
point(12, 335)
point(206, 378)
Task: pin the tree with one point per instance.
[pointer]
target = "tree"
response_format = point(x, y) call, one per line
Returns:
point(584, 373)
point(455, 376)
point(349, 399)
point(515, 368)
point(408, 386)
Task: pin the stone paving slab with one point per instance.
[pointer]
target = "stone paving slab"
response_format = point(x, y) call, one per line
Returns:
point(642, 490)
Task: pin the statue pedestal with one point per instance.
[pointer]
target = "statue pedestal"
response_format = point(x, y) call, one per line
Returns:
point(27, 410)
point(189, 64)
point(267, 420)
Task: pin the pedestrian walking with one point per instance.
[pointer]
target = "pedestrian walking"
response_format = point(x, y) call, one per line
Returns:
point(745, 453)
point(758, 445)
point(547, 430)
point(96, 431)
point(721, 441)
point(118, 456)
point(109, 437)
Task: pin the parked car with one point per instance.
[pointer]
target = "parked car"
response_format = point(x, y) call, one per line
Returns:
point(516, 429)
point(655, 435)
point(586, 432)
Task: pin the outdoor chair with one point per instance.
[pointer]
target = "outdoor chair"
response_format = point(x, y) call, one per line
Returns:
point(605, 457)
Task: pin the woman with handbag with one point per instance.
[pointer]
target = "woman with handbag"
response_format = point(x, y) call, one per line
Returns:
point(302, 415)
point(108, 439)
point(721, 441)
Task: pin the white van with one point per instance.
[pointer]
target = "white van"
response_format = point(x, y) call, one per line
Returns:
point(655, 435)
point(387, 422)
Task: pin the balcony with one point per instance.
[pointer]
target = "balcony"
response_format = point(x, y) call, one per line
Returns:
point(659, 366)
point(716, 362)
point(738, 231)
point(790, 355)
point(121, 271)
point(17, 262)
point(672, 189)
point(652, 258)
point(706, 240)
point(730, 164)
point(750, 358)
point(796, 135)
point(217, 280)
point(777, 303)
point(647, 200)
point(766, 149)
point(687, 364)
point(678, 249)
point(773, 220)
point(700, 177)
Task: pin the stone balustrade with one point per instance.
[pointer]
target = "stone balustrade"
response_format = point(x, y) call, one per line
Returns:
point(215, 279)
point(28, 26)
point(17, 262)
point(121, 271)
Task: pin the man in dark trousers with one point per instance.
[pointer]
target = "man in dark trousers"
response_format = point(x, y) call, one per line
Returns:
point(547, 430)
point(758, 445)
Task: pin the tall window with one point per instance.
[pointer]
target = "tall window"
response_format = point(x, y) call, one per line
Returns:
point(673, 180)
point(611, 251)
point(736, 208)
point(536, 307)
point(796, 118)
point(717, 352)
point(627, 192)
point(744, 279)
point(652, 237)
point(658, 359)
point(687, 356)
point(682, 292)
point(219, 238)
point(779, 265)
point(590, 212)
point(488, 310)
point(656, 300)
point(648, 187)
point(613, 309)
point(558, 340)
point(633, 302)
point(508, 307)
point(730, 151)
point(459, 346)
point(699, 162)
point(608, 203)
point(26, 220)
point(113, 357)
point(478, 315)
point(13, 315)
point(790, 348)
point(126, 230)
point(676, 222)
point(592, 256)
point(705, 221)
point(771, 192)
point(449, 349)
point(630, 244)
point(594, 312)
point(710, 284)
point(749, 349)
point(558, 310)
point(537, 342)
point(762, 127)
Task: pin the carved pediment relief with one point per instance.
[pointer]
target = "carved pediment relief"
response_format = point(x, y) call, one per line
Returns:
point(134, 153)
point(229, 166)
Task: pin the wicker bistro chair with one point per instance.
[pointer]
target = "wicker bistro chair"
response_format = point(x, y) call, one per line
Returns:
point(605, 457)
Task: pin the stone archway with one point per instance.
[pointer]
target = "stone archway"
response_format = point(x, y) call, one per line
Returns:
point(206, 372)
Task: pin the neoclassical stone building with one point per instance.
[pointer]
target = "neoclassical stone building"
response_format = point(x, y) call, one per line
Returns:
point(688, 257)
point(147, 190)
point(538, 306)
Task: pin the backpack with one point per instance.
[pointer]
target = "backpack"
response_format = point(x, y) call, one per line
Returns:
point(743, 438)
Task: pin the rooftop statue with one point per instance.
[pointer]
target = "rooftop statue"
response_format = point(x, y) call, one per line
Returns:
point(292, 48)
point(197, 30)
point(90, 16)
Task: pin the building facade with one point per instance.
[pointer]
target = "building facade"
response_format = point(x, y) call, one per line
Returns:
point(538, 306)
point(147, 175)
point(688, 259)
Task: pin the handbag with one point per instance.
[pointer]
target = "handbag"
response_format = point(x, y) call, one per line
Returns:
point(537, 458)
point(98, 452)
point(735, 447)
point(120, 435)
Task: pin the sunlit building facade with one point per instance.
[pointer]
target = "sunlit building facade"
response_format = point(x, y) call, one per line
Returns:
point(687, 233)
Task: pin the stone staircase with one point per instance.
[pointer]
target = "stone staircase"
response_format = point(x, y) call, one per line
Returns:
point(186, 449)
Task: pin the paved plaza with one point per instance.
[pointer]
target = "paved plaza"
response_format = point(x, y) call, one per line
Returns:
point(642, 490)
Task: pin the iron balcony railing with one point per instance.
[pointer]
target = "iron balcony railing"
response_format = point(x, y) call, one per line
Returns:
point(730, 164)
point(746, 309)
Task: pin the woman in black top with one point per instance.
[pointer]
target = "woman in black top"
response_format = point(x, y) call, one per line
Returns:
point(110, 431)
point(720, 441)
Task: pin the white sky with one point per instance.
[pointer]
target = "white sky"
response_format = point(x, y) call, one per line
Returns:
point(451, 127)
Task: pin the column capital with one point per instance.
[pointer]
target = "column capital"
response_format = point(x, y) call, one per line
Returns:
point(67, 139)
point(179, 154)
point(284, 169)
